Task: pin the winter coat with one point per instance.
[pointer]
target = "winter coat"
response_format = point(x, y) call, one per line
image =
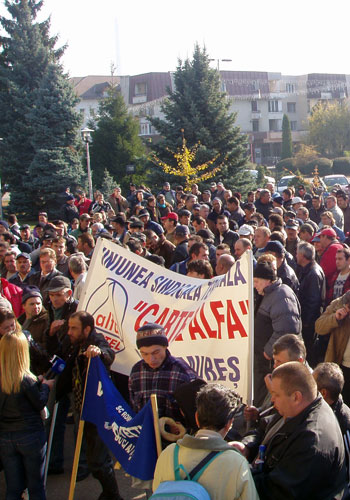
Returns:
point(278, 314)
point(227, 477)
point(312, 291)
point(304, 459)
point(339, 330)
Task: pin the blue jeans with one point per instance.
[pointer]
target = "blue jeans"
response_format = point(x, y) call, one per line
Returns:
point(23, 457)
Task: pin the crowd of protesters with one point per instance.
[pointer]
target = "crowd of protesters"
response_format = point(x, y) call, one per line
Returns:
point(300, 243)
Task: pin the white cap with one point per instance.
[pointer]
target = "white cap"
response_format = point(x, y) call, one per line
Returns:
point(297, 199)
point(245, 230)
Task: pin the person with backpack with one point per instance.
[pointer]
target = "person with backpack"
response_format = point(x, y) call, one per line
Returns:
point(205, 466)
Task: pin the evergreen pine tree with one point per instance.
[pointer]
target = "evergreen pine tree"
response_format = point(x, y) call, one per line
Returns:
point(108, 184)
point(198, 106)
point(287, 144)
point(115, 142)
point(27, 52)
point(56, 136)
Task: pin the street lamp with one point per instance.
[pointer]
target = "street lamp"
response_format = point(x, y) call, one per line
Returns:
point(218, 62)
point(86, 135)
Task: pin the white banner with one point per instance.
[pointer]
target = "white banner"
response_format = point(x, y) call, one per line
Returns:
point(207, 322)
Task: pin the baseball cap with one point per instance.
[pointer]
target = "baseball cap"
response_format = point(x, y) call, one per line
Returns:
point(297, 199)
point(171, 216)
point(182, 230)
point(292, 224)
point(328, 232)
point(24, 255)
point(277, 199)
point(316, 237)
point(275, 246)
point(136, 223)
point(58, 283)
point(143, 212)
point(213, 184)
point(84, 216)
point(245, 230)
point(196, 206)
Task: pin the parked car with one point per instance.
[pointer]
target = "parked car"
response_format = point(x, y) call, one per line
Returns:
point(268, 179)
point(332, 180)
point(283, 183)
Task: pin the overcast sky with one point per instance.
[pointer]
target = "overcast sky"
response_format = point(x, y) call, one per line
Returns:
point(292, 37)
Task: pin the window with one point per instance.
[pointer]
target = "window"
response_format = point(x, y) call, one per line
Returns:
point(275, 125)
point(290, 88)
point(293, 125)
point(145, 129)
point(291, 107)
point(275, 106)
point(254, 106)
point(141, 88)
point(255, 125)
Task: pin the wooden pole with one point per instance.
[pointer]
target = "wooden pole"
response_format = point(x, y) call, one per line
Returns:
point(156, 423)
point(73, 478)
point(49, 441)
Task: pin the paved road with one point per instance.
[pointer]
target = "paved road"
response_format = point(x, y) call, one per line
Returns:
point(58, 486)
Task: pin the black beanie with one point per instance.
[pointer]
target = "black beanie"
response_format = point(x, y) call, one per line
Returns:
point(151, 334)
point(266, 271)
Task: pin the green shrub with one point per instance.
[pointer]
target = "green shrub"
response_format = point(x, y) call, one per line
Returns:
point(341, 166)
point(324, 167)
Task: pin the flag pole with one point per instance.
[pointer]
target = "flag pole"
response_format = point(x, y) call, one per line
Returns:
point(156, 423)
point(250, 395)
point(73, 478)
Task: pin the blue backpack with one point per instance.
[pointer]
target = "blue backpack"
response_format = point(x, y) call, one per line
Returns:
point(183, 489)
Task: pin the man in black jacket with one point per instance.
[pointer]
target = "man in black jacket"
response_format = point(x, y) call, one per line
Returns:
point(224, 234)
point(311, 295)
point(284, 271)
point(60, 307)
point(83, 342)
point(330, 382)
point(304, 458)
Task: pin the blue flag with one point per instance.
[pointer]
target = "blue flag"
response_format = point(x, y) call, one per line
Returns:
point(129, 437)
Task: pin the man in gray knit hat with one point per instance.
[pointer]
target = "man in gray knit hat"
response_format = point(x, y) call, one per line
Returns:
point(157, 373)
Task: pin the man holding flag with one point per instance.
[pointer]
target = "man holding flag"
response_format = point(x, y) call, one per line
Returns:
point(81, 343)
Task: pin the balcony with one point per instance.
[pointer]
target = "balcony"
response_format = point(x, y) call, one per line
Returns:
point(275, 115)
point(138, 99)
point(256, 115)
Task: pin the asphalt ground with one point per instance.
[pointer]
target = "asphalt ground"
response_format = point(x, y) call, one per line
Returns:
point(58, 486)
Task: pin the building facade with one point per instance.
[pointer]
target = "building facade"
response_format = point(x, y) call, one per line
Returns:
point(260, 100)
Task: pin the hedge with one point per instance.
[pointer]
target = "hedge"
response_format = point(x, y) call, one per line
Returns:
point(324, 167)
point(341, 166)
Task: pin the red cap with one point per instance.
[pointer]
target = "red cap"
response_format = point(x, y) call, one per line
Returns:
point(328, 232)
point(171, 215)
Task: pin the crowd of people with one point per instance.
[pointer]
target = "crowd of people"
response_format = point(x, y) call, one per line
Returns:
point(300, 244)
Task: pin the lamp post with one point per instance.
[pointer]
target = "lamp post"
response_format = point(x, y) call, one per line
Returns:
point(86, 135)
point(218, 62)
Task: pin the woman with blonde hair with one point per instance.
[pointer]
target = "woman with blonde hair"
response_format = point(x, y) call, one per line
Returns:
point(22, 434)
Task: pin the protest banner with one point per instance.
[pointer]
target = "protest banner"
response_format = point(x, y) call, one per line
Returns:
point(126, 434)
point(208, 322)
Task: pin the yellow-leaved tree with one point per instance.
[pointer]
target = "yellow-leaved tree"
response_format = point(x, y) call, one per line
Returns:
point(184, 158)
